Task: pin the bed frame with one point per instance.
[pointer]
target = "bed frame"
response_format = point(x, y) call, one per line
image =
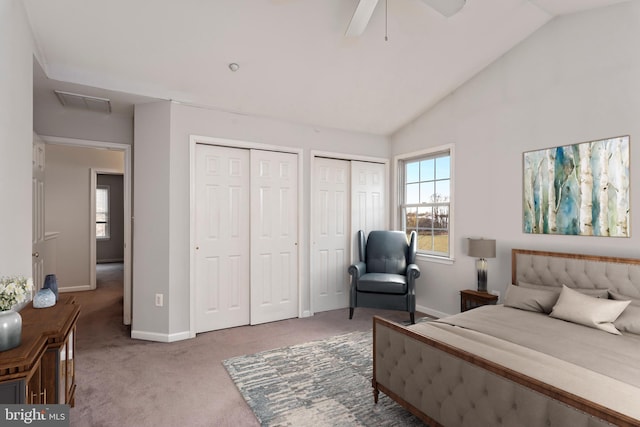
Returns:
point(420, 372)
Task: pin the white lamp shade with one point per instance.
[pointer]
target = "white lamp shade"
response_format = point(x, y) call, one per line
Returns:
point(482, 248)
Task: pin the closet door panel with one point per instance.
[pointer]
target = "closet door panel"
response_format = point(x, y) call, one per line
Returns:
point(274, 236)
point(330, 234)
point(368, 200)
point(222, 237)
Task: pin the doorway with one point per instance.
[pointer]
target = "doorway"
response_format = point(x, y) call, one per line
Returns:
point(90, 242)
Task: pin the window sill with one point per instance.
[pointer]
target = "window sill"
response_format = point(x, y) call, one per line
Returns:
point(435, 259)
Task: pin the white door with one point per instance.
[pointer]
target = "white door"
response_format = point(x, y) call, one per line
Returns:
point(222, 237)
point(274, 236)
point(331, 234)
point(368, 207)
point(37, 224)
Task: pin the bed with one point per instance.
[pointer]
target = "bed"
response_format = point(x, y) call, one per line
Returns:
point(563, 350)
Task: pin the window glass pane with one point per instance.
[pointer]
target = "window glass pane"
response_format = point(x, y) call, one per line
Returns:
point(426, 170)
point(102, 200)
point(425, 241)
point(441, 218)
point(441, 242)
point(410, 218)
point(442, 191)
point(101, 230)
point(413, 195)
point(102, 212)
point(425, 218)
point(426, 192)
point(412, 172)
point(443, 167)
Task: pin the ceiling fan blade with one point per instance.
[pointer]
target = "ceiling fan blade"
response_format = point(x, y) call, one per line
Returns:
point(361, 17)
point(446, 7)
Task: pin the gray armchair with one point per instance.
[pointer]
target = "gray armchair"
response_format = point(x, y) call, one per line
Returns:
point(385, 276)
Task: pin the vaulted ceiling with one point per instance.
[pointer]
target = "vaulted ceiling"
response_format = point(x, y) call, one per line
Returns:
point(295, 62)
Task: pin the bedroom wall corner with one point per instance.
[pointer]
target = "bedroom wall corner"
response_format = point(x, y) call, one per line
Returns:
point(574, 80)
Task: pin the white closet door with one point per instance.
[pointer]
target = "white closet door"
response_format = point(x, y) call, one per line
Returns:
point(222, 237)
point(274, 231)
point(331, 231)
point(368, 196)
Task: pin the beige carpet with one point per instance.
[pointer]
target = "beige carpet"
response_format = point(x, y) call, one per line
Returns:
point(124, 382)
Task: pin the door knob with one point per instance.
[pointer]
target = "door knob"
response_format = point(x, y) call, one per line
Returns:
point(35, 254)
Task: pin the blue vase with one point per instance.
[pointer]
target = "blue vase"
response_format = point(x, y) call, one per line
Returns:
point(44, 298)
point(51, 282)
point(10, 329)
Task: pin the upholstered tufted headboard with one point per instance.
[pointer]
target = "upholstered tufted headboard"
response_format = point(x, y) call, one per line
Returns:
point(576, 271)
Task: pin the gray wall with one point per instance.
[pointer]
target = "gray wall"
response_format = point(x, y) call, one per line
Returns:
point(112, 249)
point(50, 118)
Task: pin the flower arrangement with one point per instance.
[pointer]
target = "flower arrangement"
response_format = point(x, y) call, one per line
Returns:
point(14, 290)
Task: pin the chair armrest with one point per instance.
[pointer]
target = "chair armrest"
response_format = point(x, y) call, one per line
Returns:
point(358, 269)
point(413, 271)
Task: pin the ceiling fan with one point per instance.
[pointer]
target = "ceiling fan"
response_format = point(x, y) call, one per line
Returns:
point(365, 9)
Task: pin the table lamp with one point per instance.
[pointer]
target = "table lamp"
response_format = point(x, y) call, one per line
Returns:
point(482, 249)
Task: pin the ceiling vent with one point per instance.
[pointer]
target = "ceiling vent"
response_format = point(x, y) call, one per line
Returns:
point(91, 103)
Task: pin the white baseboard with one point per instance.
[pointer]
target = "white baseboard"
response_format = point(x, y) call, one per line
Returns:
point(158, 337)
point(431, 312)
point(306, 313)
point(74, 288)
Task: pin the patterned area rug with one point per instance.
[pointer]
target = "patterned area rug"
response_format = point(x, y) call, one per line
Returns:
point(320, 383)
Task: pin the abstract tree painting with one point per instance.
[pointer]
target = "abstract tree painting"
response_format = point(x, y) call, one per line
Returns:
point(580, 189)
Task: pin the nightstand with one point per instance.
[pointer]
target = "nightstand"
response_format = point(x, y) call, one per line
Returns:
point(471, 299)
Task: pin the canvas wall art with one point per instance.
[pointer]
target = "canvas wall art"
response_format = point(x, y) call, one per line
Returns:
point(580, 189)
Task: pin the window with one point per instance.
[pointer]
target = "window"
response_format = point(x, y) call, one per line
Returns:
point(426, 202)
point(102, 212)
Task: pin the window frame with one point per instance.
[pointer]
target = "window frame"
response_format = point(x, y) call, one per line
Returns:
point(107, 221)
point(400, 184)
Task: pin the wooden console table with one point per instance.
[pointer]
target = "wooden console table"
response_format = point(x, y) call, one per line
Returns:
point(41, 369)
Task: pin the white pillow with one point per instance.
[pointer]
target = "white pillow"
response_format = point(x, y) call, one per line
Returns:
point(531, 299)
point(629, 320)
point(598, 313)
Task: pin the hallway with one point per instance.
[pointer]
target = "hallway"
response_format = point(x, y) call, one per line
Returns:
point(100, 322)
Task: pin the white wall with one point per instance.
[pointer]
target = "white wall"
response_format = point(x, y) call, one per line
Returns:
point(16, 138)
point(576, 79)
point(169, 162)
point(67, 206)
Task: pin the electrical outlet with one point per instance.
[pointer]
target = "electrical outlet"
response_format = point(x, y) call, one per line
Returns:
point(159, 300)
point(494, 292)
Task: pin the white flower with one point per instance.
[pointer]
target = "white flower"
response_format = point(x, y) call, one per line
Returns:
point(14, 290)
